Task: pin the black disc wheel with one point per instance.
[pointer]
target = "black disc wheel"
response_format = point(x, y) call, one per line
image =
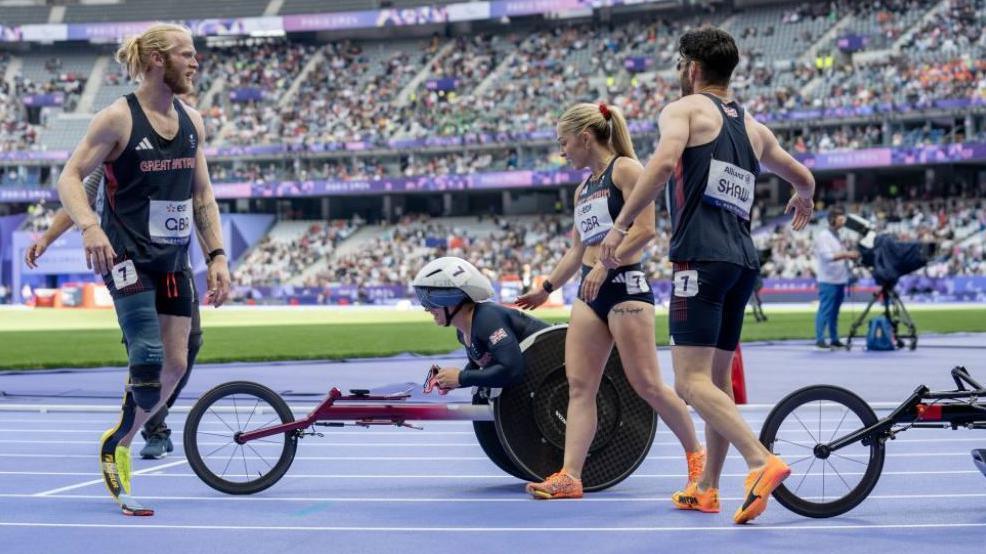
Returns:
point(489, 441)
point(210, 438)
point(531, 417)
point(823, 482)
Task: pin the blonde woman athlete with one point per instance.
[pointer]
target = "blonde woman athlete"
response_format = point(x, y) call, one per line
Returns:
point(614, 305)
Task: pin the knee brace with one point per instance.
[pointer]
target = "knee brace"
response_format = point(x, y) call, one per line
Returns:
point(139, 321)
point(145, 385)
point(145, 372)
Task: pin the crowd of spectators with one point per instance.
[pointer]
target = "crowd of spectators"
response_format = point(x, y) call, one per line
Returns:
point(854, 137)
point(956, 225)
point(410, 164)
point(275, 260)
point(514, 248)
point(954, 33)
point(524, 247)
point(520, 81)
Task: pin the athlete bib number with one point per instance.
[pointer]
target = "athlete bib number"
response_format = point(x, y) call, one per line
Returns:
point(124, 274)
point(686, 283)
point(636, 282)
point(593, 220)
point(170, 221)
point(730, 187)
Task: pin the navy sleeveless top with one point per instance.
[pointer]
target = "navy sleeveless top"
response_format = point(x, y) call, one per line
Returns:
point(147, 211)
point(597, 205)
point(711, 195)
point(495, 359)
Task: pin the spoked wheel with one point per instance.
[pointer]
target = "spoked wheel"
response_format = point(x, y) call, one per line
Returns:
point(214, 422)
point(823, 483)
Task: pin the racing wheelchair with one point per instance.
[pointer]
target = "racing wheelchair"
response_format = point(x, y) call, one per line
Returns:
point(241, 437)
point(811, 429)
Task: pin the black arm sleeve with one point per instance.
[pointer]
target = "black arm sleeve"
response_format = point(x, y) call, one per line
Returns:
point(91, 184)
point(493, 331)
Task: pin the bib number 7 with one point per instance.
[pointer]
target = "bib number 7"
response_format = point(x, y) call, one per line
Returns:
point(686, 283)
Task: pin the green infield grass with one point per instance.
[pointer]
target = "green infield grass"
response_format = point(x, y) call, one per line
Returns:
point(86, 338)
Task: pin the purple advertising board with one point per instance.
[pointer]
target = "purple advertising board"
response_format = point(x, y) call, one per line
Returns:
point(843, 160)
point(42, 100)
point(508, 8)
point(392, 17)
point(950, 289)
point(268, 25)
point(861, 111)
point(246, 94)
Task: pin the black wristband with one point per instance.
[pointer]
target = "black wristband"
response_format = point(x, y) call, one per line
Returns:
point(212, 255)
point(547, 286)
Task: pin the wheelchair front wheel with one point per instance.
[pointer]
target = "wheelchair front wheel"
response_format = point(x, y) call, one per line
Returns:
point(823, 483)
point(210, 438)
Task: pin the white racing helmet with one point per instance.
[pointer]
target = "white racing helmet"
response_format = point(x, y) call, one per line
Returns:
point(448, 282)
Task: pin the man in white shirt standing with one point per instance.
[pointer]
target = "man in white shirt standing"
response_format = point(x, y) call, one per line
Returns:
point(832, 273)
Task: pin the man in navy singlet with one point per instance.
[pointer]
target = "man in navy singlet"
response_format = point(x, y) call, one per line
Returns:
point(157, 186)
point(156, 433)
point(712, 150)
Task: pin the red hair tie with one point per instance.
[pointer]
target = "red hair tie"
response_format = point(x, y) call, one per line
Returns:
point(605, 111)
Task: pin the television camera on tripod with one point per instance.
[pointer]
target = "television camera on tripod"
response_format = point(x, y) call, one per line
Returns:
point(888, 259)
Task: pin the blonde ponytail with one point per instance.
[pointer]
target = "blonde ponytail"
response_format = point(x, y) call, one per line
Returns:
point(135, 52)
point(129, 57)
point(606, 123)
point(620, 136)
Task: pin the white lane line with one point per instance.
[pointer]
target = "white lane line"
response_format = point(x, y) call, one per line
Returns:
point(408, 433)
point(315, 443)
point(180, 421)
point(114, 408)
point(100, 480)
point(305, 408)
point(461, 476)
point(310, 444)
point(424, 529)
point(176, 432)
point(476, 500)
point(962, 454)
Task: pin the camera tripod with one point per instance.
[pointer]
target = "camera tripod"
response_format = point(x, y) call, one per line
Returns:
point(895, 312)
point(757, 306)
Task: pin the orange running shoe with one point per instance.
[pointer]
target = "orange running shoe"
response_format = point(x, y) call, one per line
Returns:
point(759, 485)
point(558, 485)
point(696, 464)
point(692, 498)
